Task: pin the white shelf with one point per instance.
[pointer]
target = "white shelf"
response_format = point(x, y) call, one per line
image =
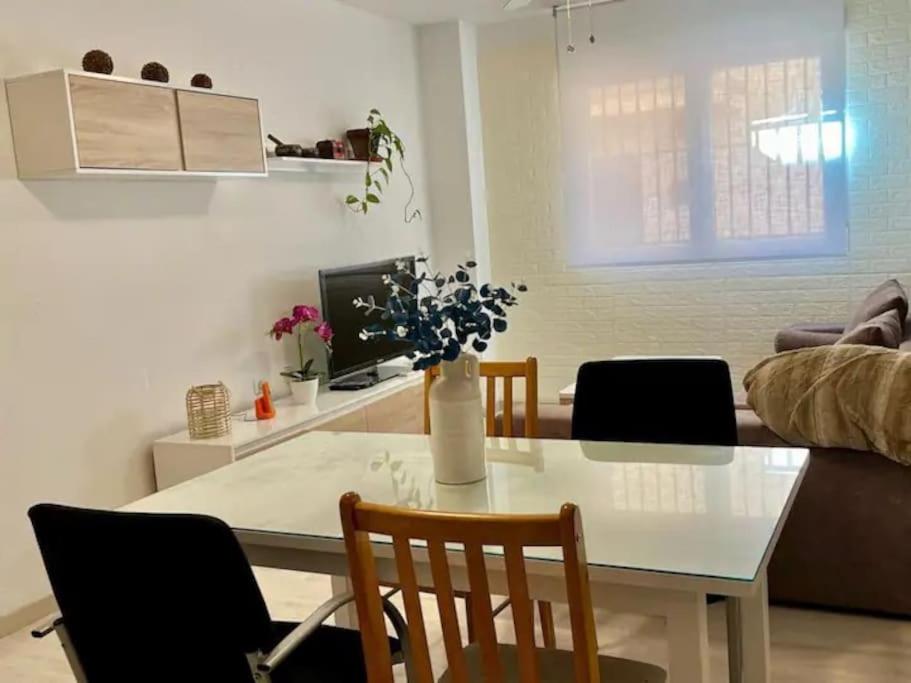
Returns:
point(321, 166)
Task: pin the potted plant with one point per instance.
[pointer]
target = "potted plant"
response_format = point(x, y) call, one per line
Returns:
point(304, 383)
point(381, 148)
point(446, 318)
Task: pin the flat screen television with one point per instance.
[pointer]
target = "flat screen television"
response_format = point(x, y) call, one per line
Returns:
point(350, 354)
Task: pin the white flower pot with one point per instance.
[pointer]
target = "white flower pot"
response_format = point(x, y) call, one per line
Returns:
point(457, 423)
point(303, 393)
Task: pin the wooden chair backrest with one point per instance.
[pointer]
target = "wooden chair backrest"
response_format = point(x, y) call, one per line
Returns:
point(472, 532)
point(507, 371)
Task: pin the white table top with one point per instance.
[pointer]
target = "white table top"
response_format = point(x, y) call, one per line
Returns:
point(700, 511)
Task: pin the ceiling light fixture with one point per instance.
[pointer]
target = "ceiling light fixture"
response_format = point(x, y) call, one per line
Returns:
point(568, 8)
point(569, 26)
point(591, 24)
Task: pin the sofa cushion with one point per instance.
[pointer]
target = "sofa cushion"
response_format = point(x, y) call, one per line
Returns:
point(883, 330)
point(852, 397)
point(807, 335)
point(889, 296)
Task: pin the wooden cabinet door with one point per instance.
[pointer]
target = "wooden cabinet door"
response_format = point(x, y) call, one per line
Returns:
point(220, 133)
point(125, 125)
point(355, 421)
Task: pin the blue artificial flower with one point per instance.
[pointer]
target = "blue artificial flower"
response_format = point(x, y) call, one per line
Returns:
point(442, 316)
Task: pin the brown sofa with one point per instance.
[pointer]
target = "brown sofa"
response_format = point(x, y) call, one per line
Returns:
point(847, 542)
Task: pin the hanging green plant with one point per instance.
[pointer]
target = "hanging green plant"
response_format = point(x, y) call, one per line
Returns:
point(384, 150)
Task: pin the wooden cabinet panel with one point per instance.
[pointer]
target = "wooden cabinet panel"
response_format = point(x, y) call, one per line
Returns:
point(355, 421)
point(220, 133)
point(125, 125)
point(401, 413)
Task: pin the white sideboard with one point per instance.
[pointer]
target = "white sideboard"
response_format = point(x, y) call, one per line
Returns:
point(394, 406)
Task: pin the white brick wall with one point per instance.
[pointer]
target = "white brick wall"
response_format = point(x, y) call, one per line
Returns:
point(733, 309)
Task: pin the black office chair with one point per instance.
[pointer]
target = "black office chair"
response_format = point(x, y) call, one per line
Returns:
point(656, 400)
point(152, 598)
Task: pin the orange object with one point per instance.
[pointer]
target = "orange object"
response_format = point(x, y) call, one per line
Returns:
point(265, 408)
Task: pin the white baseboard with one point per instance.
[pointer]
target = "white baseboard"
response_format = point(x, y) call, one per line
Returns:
point(27, 615)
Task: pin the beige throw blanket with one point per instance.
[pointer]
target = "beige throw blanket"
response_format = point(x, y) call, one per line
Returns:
point(855, 397)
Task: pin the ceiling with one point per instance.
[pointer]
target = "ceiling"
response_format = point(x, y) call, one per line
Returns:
point(431, 11)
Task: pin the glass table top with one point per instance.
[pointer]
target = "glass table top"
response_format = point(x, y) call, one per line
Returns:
point(694, 510)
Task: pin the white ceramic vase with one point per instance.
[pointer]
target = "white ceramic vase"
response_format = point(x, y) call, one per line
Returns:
point(303, 393)
point(457, 423)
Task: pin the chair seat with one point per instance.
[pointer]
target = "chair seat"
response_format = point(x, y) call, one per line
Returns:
point(330, 655)
point(556, 666)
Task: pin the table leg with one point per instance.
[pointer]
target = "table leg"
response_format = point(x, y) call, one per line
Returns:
point(346, 616)
point(748, 636)
point(688, 638)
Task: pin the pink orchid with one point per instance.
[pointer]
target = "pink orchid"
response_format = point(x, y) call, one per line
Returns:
point(304, 319)
point(324, 332)
point(282, 327)
point(304, 314)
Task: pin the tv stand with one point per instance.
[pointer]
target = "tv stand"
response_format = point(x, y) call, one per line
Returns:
point(395, 407)
point(365, 380)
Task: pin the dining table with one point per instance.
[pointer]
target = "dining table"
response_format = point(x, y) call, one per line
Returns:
point(665, 525)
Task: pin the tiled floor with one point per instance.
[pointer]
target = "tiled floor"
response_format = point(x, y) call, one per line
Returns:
point(807, 646)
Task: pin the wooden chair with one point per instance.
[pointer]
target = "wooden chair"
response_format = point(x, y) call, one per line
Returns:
point(485, 660)
point(527, 370)
point(507, 371)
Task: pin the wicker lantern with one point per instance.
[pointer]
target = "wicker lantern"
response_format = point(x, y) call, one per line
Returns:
point(209, 411)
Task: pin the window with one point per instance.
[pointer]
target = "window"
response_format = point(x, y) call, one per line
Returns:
point(698, 131)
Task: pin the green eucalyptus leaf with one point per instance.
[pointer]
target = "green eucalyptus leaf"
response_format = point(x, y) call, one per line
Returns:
point(372, 198)
point(369, 181)
point(352, 199)
point(364, 207)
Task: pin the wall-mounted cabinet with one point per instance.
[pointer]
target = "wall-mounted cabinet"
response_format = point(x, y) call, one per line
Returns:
point(220, 133)
point(70, 123)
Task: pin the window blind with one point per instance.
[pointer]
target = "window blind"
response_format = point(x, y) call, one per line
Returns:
point(698, 130)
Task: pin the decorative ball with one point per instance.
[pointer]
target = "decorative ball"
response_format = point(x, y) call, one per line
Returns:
point(98, 62)
point(153, 71)
point(201, 81)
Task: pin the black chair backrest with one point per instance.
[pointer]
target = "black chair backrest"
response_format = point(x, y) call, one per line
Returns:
point(152, 597)
point(656, 400)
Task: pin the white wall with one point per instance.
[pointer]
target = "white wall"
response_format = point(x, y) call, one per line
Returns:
point(115, 297)
point(450, 99)
point(571, 316)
